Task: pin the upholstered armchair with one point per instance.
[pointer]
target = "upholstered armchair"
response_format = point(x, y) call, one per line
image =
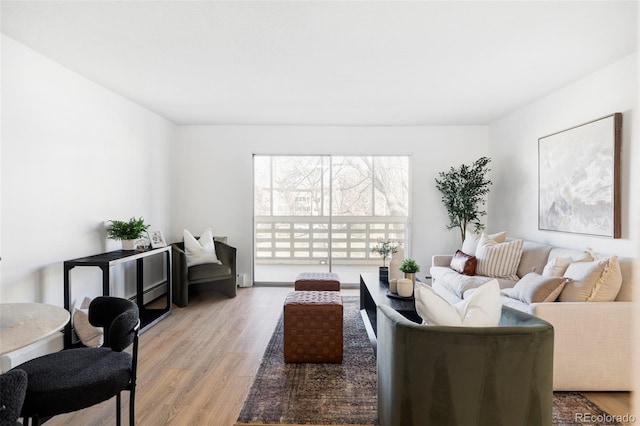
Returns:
point(220, 277)
point(455, 376)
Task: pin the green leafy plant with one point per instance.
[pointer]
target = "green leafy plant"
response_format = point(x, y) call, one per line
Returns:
point(409, 266)
point(385, 249)
point(463, 192)
point(131, 230)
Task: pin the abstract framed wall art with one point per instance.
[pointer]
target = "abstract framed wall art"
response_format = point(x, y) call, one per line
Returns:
point(579, 178)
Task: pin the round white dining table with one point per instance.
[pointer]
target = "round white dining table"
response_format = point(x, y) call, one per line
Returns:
point(22, 324)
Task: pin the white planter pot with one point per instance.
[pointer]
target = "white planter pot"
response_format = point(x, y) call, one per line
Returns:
point(393, 285)
point(405, 287)
point(129, 244)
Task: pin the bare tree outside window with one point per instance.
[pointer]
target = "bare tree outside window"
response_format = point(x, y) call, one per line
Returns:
point(328, 208)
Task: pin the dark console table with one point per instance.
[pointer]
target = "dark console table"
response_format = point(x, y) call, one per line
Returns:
point(373, 292)
point(105, 261)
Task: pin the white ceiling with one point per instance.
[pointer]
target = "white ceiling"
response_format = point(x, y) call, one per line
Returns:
point(328, 63)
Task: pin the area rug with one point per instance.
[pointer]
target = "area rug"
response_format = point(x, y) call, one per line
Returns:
point(346, 394)
point(317, 393)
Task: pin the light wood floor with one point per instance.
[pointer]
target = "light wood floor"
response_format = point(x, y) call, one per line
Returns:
point(196, 365)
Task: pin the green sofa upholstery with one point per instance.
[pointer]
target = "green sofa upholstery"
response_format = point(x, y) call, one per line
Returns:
point(434, 375)
point(219, 277)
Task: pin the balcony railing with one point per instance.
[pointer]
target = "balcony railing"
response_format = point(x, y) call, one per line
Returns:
point(347, 240)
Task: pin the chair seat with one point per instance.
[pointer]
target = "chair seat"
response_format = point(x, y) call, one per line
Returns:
point(208, 271)
point(73, 379)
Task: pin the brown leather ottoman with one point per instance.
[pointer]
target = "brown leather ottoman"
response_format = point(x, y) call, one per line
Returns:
point(317, 281)
point(313, 327)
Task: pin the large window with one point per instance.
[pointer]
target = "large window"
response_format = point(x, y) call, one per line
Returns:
point(325, 212)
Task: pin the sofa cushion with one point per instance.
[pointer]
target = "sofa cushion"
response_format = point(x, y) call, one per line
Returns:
point(586, 255)
point(535, 288)
point(463, 263)
point(597, 281)
point(454, 282)
point(533, 259)
point(498, 260)
point(514, 303)
point(481, 309)
point(471, 240)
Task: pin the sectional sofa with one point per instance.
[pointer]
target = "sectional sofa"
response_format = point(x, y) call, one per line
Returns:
point(593, 348)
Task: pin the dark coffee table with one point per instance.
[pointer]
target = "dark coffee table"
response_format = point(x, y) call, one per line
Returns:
point(373, 292)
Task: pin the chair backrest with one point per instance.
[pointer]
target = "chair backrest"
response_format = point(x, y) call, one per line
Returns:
point(464, 375)
point(119, 317)
point(13, 386)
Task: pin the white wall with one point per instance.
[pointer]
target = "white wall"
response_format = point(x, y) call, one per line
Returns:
point(73, 155)
point(214, 186)
point(514, 149)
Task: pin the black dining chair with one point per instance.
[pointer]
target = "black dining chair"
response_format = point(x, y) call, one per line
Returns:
point(78, 378)
point(13, 386)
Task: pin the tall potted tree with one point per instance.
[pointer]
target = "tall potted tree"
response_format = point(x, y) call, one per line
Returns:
point(463, 192)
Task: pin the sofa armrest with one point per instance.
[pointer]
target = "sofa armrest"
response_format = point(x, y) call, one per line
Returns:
point(441, 260)
point(593, 349)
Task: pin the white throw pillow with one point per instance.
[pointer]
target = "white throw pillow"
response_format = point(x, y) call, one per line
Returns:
point(498, 260)
point(200, 251)
point(89, 335)
point(597, 281)
point(482, 309)
point(471, 239)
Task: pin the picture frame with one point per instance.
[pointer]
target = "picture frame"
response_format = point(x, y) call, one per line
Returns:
point(579, 179)
point(156, 239)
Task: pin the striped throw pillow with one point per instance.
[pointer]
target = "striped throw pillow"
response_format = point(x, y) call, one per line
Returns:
point(498, 260)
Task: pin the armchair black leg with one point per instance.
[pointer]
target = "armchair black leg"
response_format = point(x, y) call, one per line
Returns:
point(118, 409)
point(132, 408)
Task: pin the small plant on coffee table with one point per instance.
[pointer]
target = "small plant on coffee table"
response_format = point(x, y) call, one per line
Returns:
point(409, 266)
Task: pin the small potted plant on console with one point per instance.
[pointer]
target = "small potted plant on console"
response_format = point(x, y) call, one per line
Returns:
point(129, 232)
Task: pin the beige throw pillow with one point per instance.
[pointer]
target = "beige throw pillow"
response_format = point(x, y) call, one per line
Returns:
point(498, 260)
point(597, 281)
point(557, 266)
point(535, 288)
point(89, 335)
point(471, 239)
